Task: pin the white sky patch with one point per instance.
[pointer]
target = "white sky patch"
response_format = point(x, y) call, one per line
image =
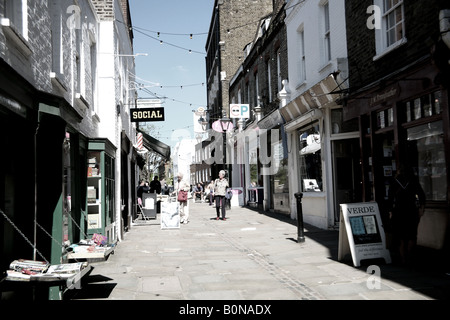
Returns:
point(180, 69)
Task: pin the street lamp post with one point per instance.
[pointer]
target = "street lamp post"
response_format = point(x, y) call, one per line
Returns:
point(225, 123)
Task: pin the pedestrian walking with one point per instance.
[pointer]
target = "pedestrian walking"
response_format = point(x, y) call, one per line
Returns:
point(155, 185)
point(220, 189)
point(406, 206)
point(181, 190)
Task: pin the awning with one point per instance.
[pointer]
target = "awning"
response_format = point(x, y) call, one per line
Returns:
point(316, 97)
point(155, 145)
point(272, 120)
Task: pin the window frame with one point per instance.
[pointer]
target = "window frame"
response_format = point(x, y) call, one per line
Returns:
point(382, 47)
point(302, 56)
point(304, 174)
point(279, 80)
point(326, 32)
point(269, 79)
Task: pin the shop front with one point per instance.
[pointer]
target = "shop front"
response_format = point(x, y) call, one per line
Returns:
point(42, 193)
point(323, 151)
point(101, 188)
point(42, 188)
point(404, 120)
point(274, 156)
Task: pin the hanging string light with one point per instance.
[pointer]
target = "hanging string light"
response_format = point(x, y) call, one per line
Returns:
point(157, 84)
point(158, 33)
point(158, 96)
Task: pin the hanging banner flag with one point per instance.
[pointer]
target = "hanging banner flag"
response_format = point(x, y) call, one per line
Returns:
point(147, 114)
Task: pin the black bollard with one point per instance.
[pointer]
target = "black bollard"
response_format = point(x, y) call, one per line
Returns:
point(300, 236)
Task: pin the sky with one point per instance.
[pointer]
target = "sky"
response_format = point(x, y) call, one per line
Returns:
point(169, 70)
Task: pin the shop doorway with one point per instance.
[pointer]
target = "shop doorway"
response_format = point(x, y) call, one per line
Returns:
point(346, 173)
point(384, 168)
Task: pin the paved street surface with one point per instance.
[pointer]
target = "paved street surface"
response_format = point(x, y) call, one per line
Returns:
point(251, 256)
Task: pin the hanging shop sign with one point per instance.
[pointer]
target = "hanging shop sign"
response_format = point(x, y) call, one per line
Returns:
point(361, 233)
point(147, 114)
point(386, 95)
point(240, 111)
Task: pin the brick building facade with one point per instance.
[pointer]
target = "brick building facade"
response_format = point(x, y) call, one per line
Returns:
point(257, 83)
point(232, 27)
point(398, 92)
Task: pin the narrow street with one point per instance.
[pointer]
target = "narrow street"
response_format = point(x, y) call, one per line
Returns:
point(251, 256)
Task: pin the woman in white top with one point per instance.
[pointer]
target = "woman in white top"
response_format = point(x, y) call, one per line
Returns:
point(220, 189)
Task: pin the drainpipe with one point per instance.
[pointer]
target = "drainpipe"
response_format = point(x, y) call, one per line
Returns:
point(35, 190)
point(444, 26)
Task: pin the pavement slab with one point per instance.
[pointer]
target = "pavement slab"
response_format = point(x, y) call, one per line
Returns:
point(252, 256)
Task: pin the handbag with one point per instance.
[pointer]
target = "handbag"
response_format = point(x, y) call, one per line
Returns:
point(182, 195)
point(228, 194)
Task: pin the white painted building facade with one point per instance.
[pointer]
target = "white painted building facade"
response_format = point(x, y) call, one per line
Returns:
point(116, 94)
point(182, 158)
point(313, 115)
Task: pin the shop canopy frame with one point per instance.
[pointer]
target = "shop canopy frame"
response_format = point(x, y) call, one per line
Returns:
point(155, 145)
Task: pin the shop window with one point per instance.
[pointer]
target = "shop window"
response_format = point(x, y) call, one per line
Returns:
point(427, 156)
point(280, 178)
point(94, 196)
point(67, 187)
point(310, 158)
point(385, 118)
point(110, 188)
point(338, 125)
point(425, 106)
point(253, 160)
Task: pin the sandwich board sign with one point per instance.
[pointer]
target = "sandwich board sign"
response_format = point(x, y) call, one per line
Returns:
point(170, 216)
point(361, 233)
